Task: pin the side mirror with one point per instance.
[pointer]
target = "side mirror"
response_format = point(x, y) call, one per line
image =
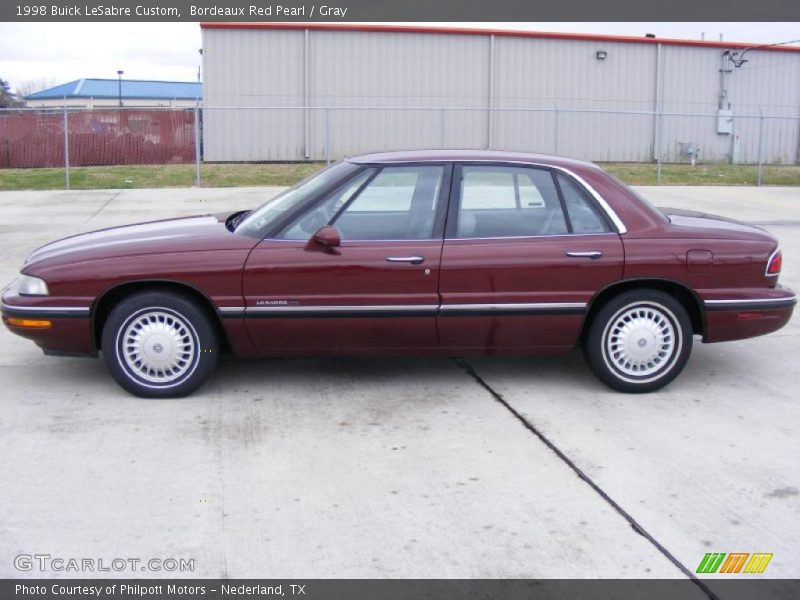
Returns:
point(326, 239)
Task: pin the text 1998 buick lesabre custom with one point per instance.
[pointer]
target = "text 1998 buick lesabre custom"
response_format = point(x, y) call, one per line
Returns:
point(439, 253)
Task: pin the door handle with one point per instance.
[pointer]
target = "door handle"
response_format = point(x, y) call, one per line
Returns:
point(593, 254)
point(414, 260)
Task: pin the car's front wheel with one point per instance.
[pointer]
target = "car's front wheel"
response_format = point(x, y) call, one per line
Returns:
point(159, 345)
point(639, 341)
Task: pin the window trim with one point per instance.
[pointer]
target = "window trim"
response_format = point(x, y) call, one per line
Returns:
point(331, 222)
point(528, 237)
point(563, 201)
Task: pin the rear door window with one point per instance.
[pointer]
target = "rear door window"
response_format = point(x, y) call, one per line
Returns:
point(506, 201)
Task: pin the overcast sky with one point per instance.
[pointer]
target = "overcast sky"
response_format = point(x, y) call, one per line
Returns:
point(61, 52)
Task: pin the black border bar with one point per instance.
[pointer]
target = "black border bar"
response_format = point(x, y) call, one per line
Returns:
point(406, 10)
point(734, 587)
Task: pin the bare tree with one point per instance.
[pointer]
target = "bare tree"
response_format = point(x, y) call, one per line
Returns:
point(34, 85)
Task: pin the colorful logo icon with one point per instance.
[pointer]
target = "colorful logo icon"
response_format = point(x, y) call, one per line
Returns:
point(719, 562)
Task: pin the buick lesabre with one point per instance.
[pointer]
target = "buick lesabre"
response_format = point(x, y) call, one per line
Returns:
point(427, 253)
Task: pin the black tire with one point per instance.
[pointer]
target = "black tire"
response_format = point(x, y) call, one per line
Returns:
point(639, 341)
point(142, 327)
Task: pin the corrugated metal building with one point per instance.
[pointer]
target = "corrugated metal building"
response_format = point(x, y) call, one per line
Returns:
point(602, 98)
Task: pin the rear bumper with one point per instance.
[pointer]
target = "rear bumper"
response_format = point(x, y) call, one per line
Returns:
point(746, 315)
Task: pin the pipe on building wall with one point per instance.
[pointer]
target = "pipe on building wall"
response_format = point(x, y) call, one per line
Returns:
point(306, 97)
point(723, 89)
point(761, 142)
point(797, 156)
point(555, 129)
point(658, 103)
point(327, 132)
point(197, 142)
point(490, 94)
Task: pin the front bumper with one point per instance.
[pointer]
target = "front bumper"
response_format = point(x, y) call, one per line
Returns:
point(57, 325)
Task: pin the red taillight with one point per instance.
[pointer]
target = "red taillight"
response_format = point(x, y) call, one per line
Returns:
point(774, 264)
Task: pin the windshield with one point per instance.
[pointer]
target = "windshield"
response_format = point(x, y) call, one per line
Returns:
point(261, 219)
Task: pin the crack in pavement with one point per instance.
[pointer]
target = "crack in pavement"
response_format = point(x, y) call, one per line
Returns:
point(105, 204)
point(635, 525)
point(223, 515)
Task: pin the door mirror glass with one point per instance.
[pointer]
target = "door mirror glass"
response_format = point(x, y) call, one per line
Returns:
point(326, 239)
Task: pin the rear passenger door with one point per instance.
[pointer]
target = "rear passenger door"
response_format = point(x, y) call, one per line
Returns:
point(525, 250)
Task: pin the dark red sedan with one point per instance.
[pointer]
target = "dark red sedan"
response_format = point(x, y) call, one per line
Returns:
point(439, 253)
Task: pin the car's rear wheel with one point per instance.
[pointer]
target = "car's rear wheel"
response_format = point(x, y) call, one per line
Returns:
point(159, 345)
point(639, 341)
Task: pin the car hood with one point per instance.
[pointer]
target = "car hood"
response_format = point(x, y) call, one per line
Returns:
point(191, 234)
point(693, 221)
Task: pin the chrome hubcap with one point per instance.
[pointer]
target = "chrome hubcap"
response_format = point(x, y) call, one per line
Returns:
point(640, 341)
point(158, 346)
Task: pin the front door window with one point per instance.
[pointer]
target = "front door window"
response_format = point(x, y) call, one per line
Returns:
point(392, 203)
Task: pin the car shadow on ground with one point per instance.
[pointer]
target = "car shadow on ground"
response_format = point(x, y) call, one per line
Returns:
point(76, 377)
point(389, 373)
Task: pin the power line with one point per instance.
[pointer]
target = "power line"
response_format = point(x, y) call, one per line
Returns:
point(739, 59)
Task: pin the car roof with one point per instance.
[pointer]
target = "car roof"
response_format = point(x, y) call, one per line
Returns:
point(468, 155)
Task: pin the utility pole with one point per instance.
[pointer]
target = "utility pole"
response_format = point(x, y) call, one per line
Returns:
point(119, 86)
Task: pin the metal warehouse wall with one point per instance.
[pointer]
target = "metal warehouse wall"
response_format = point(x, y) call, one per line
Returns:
point(376, 90)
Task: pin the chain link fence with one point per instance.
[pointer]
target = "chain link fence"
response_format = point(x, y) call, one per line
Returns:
point(75, 137)
point(96, 137)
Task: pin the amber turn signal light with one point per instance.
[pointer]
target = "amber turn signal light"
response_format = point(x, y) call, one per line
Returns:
point(29, 323)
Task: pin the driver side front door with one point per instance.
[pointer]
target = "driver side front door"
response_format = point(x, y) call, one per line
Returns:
point(378, 290)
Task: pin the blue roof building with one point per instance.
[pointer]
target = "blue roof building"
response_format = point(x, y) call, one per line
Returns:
point(107, 92)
